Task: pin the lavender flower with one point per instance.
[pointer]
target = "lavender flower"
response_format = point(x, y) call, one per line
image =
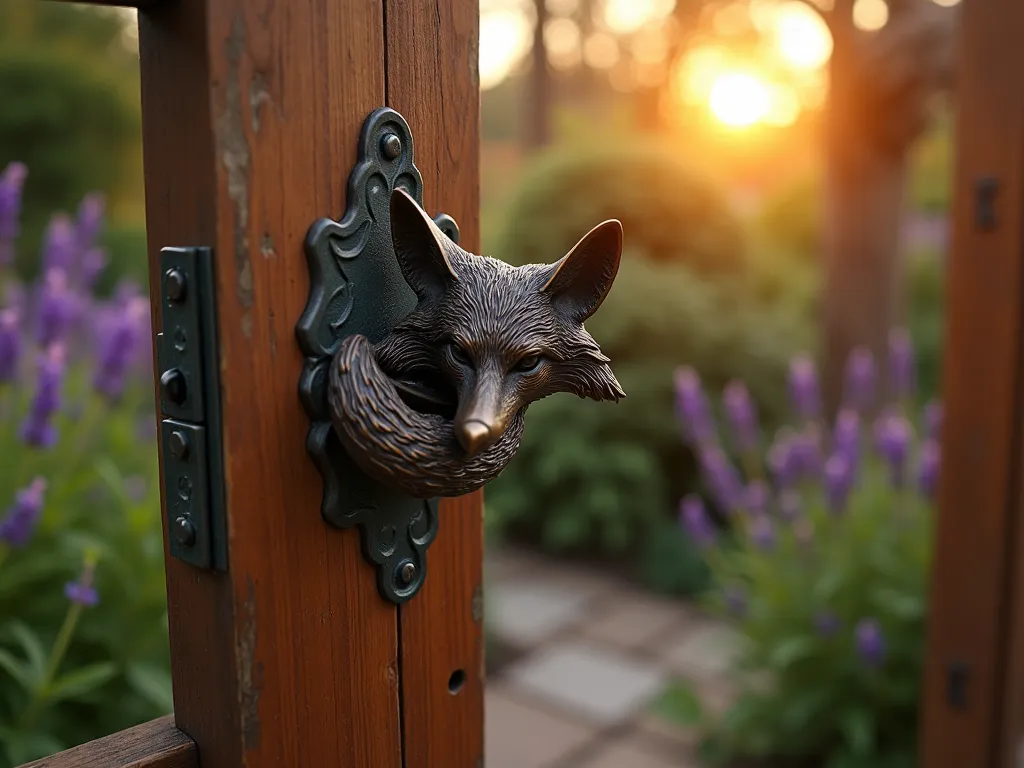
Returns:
point(16, 528)
point(901, 363)
point(893, 437)
point(870, 642)
point(790, 505)
point(928, 468)
point(803, 388)
point(60, 246)
point(783, 460)
point(762, 532)
point(90, 219)
point(933, 420)
point(742, 417)
point(846, 439)
point(757, 497)
point(117, 350)
point(695, 521)
point(722, 478)
point(11, 182)
point(82, 591)
point(838, 482)
point(826, 624)
point(692, 408)
point(861, 380)
point(37, 429)
point(736, 600)
point(806, 447)
point(10, 344)
point(56, 307)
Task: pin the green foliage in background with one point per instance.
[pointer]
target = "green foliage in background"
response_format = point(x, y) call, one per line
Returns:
point(71, 107)
point(605, 479)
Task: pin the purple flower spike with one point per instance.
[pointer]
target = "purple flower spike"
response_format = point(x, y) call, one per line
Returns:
point(846, 438)
point(783, 461)
point(90, 219)
point(118, 348)
point(10, 344)
point(838, 482)
point(901, 363)
point(807, 452)
point(11, 182)
point(803, 388)
point(742, 416)
point(94, 261)
point(692, 408)
point(790, 505)
point(870, 643)
point(933, 420)
point(894, 436)
point(60, 245)
point(82, 591)
point(722, 479)
point(736, 600)
point(695, 521)
point(762, 532)
point(928, 468)
point(37, 429)
point(17, 527)
point(861, 381)
point(757, 497)
point(56, 307)
point(826, 624)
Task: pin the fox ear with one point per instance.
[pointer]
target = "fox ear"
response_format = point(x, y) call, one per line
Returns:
point(579, 282)
point(419, 246)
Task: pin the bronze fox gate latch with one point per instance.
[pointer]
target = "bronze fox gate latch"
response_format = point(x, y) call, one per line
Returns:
point(421, 358)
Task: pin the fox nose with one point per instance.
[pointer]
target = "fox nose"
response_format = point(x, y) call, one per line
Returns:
point(473, 435)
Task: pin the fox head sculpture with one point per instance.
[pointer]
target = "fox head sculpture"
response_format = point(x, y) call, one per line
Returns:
point(484, 341)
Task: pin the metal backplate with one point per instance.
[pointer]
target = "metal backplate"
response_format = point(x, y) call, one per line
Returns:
point(356, 287)
point(190, 430)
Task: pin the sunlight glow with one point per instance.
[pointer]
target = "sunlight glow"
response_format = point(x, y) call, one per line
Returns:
point(802, 38)
point(870, 14)
point(739, 99)
point(505, 37)
point(626, 16)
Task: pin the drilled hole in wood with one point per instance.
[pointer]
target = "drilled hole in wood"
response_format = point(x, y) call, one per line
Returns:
point(456, 681)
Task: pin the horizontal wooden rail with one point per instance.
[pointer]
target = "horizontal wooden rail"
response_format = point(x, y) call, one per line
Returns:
point(156, 744)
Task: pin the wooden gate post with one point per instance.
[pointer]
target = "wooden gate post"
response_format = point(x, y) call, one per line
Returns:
point(973, 712)
point(251, 113)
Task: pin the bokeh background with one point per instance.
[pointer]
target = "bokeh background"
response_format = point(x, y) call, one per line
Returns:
point(782, 170)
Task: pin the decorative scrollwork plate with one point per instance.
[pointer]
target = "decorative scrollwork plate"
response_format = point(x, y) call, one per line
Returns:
point(356, 286)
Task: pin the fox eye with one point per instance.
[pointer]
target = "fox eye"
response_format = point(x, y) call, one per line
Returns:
point(459, 354)
point(528, 363)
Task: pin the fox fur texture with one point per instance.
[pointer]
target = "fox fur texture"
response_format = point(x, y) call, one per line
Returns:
point(437, 408)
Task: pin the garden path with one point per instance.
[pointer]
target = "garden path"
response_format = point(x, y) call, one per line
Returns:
point(578, 660)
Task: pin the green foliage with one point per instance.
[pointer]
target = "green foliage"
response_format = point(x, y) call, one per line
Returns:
point(926, 318)
point(791, 219)
point(668, 213)
point(669, 562)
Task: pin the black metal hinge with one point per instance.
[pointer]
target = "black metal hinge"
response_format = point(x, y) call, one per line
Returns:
point(190, 429)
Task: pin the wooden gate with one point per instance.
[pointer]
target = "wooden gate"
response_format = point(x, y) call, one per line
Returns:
point(251, 117)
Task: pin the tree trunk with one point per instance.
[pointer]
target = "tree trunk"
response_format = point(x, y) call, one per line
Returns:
point(539, 94)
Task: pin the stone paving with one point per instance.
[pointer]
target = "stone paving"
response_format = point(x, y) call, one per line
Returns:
point(591, 653)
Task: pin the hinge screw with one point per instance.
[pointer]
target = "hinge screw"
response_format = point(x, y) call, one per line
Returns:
point(176, 284)
point(408, 573)
point(184, 531)
point(391, 145)
point(174, 387)
point(178, 443)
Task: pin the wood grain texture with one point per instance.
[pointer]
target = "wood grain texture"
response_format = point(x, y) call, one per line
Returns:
point(252, 112)
point(979, 529)
point(156, 744)
point(432, 79)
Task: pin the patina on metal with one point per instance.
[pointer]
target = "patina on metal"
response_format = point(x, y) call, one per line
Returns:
point(421, 358)
point(190, 430)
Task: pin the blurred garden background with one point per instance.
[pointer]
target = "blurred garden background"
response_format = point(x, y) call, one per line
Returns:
point(782, 171)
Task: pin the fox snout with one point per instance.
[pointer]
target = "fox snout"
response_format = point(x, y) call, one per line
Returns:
point(480, 420)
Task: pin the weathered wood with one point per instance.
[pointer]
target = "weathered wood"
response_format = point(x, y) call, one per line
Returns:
point(142, 4)
point(432, 79)
point(976, 581)
point(156, 744)
point(251, 116)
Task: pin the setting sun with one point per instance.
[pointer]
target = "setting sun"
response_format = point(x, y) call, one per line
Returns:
point(802, 39)
point(739, 99)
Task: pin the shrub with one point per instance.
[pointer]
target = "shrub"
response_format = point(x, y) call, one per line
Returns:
point(83, 643)
point(826, 573)
point(668, 213)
